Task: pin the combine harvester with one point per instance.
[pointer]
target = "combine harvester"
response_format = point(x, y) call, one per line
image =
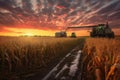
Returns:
point(100, 30)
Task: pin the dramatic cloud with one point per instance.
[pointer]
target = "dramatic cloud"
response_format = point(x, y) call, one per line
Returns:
point(57, 14)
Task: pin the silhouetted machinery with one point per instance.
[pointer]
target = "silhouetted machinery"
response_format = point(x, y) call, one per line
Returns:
point(100, 30)
point(61, 34)
point(73, 35)
point(64, 34)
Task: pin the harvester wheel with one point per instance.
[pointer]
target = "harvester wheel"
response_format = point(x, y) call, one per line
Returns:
point(110, 35)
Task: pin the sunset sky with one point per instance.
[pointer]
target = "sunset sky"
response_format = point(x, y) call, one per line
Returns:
point(45, 17)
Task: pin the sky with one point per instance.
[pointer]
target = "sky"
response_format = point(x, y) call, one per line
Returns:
point(45, 17)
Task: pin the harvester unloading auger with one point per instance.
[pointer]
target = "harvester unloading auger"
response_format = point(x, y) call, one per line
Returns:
point(100, 30)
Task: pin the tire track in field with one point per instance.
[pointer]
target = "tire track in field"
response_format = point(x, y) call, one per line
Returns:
point(67, 68)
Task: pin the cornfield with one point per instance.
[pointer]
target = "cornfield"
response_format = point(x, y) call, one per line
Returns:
point(22, 54)
point(101, 56)
point(102, 59)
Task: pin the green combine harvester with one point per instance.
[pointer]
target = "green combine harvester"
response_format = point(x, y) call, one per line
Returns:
point(100, 30)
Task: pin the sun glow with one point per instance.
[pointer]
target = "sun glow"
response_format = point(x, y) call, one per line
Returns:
point(28, 34)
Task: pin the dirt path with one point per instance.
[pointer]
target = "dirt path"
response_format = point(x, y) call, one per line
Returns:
point(67, 68)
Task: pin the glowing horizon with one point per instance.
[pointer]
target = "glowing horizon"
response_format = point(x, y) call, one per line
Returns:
point(37, 32)
point(45, 17)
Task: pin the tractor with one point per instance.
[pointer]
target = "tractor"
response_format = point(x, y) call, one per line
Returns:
point(73, 35)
